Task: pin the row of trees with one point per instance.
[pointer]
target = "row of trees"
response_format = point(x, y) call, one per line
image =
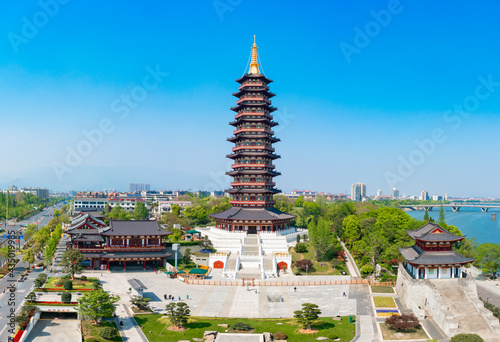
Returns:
point(22, 204)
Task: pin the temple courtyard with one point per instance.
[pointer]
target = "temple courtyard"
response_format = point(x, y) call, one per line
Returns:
point(232, 301)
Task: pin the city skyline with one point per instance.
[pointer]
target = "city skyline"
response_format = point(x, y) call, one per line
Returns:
point(365, 92)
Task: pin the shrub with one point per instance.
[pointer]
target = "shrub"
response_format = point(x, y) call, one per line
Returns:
point(42, 276)
point(68, 285)
point(38, 282)
point(466, 338)
point(31, 297)
point(279, 336)
point(333, 337)
point(403, 322)
point(300, 247)
point(242, 326)
point(108, 333)
point(66, 297)
point(304, 265)
point(298, 238)
point(336, 262)
point(367, 269)
point(90, 339)
point(83, 278)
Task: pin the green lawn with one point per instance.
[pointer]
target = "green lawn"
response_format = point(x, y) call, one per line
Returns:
point(77, 283)
point(343, 329)
point(384, 302)
point(382, 289)
point(318, 269)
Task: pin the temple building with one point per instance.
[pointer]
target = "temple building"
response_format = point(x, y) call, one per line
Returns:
point(432, 256)
point(122, 242)
point(253, 172)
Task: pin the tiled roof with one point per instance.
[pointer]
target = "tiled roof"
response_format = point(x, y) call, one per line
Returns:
point(134, 227)
point(432, 232)
point(253, 214)
point(416, 256)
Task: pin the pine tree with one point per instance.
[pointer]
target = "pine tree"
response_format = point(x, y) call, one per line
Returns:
point(426, 215)
point(441, 220)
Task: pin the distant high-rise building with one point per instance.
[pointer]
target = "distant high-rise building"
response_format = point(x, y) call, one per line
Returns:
point(445, 197)
point(424, 196)
point(356, 192)
point(395, 193)
point(139, 187)
point(437, 198)
point(362, 190)
point(379, 193)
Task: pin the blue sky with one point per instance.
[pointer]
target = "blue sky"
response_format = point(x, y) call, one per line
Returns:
point(345, 117)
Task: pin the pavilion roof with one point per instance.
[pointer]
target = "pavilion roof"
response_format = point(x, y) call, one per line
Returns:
point(432, 232)
point(134, 228)
point(416, 256)
point(255, 214)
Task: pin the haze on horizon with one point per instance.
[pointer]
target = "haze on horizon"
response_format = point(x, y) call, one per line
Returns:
point(388, 93)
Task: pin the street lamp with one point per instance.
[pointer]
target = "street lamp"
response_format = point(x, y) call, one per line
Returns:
point(307, 267)
point(175, 247)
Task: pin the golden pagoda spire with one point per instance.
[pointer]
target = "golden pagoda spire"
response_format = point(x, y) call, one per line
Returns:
point(254, 64)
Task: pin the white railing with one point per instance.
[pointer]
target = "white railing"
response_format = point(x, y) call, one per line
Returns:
point(237, 267)
point(262, 269)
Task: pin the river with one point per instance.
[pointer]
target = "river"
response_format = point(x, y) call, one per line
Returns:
point(471, 221)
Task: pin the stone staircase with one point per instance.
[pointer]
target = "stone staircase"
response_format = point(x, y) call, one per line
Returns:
point(467, 315)
point(250, 253)
point(251, 246)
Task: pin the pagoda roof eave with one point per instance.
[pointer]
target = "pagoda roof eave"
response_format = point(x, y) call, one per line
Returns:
point(270, 108)
point(259, 90)
point(416, 256)
point(253, 154)
point(253, 172)
point(238, 137)
point(246, 76)
point(431, 232)
point(253, 191)
point(257, 119)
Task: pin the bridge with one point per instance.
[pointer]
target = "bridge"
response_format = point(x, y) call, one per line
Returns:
point(454, 206)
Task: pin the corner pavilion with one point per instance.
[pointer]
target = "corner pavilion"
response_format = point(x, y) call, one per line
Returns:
point(432, 256)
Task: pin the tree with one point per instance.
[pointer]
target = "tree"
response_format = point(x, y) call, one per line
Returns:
point(304, 265)
point(488, 258)
point(441, 220)
point(178, 313)
point(21, 320)
point(207, 244)
point(140, 211)
point(300, 247)
point(186, 259)
point(308, 316)
point(97, 304)
point(176, 210)
point(196, 215)
point(466, 338)
point(31, 297)
point(66, 297)
point(118, 213)
point(72, 262)
point(322, 239)
point(426, 215)
point(352, 229)
point(403, 322)
point(140, 302)
point(29, 256)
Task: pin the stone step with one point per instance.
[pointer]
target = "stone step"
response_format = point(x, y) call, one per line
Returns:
point(469, 319)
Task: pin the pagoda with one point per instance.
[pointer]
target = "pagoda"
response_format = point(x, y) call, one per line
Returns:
point(432, 256)
point(253, 154)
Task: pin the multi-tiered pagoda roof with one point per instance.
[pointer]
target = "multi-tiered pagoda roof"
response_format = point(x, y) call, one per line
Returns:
point(253, 171)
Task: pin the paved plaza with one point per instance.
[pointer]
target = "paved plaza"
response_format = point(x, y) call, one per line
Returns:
point(232, 301)
point(52, 330)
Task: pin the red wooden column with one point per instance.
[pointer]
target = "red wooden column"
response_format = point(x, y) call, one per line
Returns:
point(124, 265)
point(144, 264)
point(108, 265)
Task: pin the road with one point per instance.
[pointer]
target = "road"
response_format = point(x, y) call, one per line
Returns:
point(21, 288)
point(42, 218)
